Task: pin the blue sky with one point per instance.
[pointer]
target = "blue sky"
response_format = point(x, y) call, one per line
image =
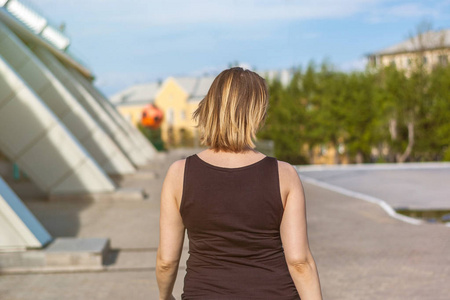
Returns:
point(136, 41)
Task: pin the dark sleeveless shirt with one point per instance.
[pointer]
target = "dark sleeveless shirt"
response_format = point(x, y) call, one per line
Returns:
point(233, 217)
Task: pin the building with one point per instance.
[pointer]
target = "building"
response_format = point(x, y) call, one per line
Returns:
point(430, 49)
point(284, 76)
point(132, 100)
point(178, 98)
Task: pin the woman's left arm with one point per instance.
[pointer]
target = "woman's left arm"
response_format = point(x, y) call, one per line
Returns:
point(171, 231)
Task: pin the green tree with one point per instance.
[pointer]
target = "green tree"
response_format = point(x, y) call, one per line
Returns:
point(284, 120)
point(403, 112)
point(361, 124)
point(326, 113)
point(437, 126)
point(398, 106)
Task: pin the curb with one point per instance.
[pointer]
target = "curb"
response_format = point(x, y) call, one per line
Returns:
point(386, 207)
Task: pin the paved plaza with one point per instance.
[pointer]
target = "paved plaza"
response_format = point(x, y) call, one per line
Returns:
point(361, 252)
point(409, 185)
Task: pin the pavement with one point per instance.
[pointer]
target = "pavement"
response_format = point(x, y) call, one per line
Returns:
point(417, 186)
point(361, 252)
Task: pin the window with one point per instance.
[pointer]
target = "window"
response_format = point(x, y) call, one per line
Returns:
point(183, 115)
point(443, 60)
point(424, 60)
point(170, 116)
point(170, 136)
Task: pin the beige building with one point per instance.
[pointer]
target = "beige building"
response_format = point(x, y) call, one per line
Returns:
point(132, 100)
point(177, 97)
point(431, 48)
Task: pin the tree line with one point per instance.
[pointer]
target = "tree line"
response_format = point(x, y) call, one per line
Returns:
point(382, 114)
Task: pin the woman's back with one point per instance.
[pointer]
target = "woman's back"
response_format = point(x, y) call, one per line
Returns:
point(246, 222)
point(233, 217)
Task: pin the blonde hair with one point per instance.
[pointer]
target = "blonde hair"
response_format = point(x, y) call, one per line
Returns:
point(233, 110)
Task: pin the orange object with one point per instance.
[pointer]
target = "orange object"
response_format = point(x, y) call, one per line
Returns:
point(152, 116)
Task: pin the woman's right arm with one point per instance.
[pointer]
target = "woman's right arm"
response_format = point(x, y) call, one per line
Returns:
point(300, 261)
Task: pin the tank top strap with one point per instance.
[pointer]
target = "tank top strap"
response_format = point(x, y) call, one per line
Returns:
point(200, 161)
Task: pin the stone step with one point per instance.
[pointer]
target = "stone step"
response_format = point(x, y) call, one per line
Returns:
point(140, 174)
point(119, 194)
point(63, 254)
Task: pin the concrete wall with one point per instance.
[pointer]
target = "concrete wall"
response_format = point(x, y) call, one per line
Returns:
point(32, 136)
point(19, 229)
point(91, 105)
point(63, 104)
point(142, 143)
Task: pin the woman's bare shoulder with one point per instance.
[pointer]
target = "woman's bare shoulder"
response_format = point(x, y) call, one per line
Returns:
point(290, 183)
point(286, 170)
point(288, 176)
point(173, 183)
point(177, 168)
point(175, 173)
point(178, 165)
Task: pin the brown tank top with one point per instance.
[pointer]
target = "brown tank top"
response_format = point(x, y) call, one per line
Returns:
point(233, 217)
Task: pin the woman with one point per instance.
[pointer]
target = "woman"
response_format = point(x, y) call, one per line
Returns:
point(244, 212)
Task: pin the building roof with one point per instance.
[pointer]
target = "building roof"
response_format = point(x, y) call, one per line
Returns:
point(187, 83)
point(195, 87)
point(426, 41)
point(202, 88)
point(137, 94)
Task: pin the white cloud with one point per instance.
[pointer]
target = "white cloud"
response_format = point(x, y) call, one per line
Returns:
point(393, 11)
point(172, 12)
point(311, 35)
point(183, 12)
point(412, 10)
point(152, 28)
